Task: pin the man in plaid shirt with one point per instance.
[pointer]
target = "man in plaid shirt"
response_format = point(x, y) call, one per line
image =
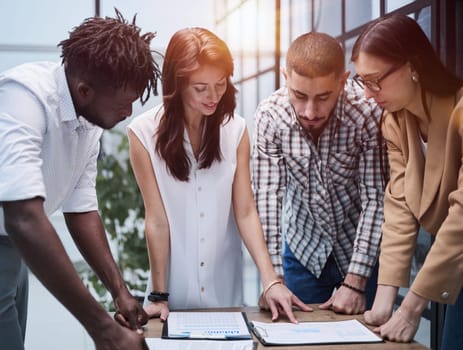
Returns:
point(319, 171)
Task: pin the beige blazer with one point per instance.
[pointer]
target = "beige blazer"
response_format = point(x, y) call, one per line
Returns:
point(427, 192)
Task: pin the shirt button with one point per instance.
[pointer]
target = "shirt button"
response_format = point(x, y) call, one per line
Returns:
point(202, 289)
point(200, 188)
point(202, 263)
point(201, 215)
point(202, 240)
point(445, 295)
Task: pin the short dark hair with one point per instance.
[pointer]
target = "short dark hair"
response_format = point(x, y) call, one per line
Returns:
point(398, 39)
point(112, 52)
point(314, 55)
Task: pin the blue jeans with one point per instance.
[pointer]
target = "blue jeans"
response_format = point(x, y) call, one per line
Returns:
point(313, 290)
point(13, 296)
point(452, 338)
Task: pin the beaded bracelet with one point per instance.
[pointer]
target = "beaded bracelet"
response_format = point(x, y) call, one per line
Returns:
point(270, 286)
point(355, 289)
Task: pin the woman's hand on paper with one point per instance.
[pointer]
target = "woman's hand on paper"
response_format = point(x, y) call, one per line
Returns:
point(280, 300)
point(158, 309)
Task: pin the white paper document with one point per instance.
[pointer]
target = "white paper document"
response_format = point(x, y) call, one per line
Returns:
point(330, 332)
point(173, 344)
point(206, 325)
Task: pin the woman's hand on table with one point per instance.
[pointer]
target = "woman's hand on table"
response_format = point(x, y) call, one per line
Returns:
point(383, 305)
point(158, 309)
point(401, 327)
point(280, 300)
point(403, 324)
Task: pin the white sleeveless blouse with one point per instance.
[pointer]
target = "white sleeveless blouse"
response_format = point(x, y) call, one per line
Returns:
point(205, 265)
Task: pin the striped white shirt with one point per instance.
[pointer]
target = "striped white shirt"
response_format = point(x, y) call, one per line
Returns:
point(331, 192)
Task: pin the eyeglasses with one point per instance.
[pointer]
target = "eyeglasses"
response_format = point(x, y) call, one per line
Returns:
point(374, 85)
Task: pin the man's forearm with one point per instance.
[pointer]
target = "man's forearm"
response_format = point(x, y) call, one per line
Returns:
point(89, 234)
point(46, 257)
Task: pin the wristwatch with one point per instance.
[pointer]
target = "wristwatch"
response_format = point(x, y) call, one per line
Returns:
point(158, 296)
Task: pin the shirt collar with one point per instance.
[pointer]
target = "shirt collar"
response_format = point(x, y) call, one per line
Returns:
point(66, 107)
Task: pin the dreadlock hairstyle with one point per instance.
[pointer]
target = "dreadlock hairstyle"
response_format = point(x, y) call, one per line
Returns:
point(110, 52)
point(187, 51)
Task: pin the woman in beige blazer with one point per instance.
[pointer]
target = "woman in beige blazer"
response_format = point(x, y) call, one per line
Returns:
point(423, 126)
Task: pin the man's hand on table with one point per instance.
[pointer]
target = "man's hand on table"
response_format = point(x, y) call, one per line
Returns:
point(129, 313)
point(349, 298)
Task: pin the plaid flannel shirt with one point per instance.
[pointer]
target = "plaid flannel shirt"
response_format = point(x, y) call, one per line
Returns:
point(331, 192)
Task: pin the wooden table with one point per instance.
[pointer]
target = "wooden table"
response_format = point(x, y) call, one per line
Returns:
point(154, 327)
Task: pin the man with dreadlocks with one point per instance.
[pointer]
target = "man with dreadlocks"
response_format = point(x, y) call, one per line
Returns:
point(51, 119)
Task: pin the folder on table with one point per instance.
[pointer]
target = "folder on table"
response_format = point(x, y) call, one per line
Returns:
point(206, 325)
point(311, 333)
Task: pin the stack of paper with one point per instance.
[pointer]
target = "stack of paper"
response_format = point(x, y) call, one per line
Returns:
point(184, 344)
point(331, 332)
point(206, 325)
point(204, 331)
